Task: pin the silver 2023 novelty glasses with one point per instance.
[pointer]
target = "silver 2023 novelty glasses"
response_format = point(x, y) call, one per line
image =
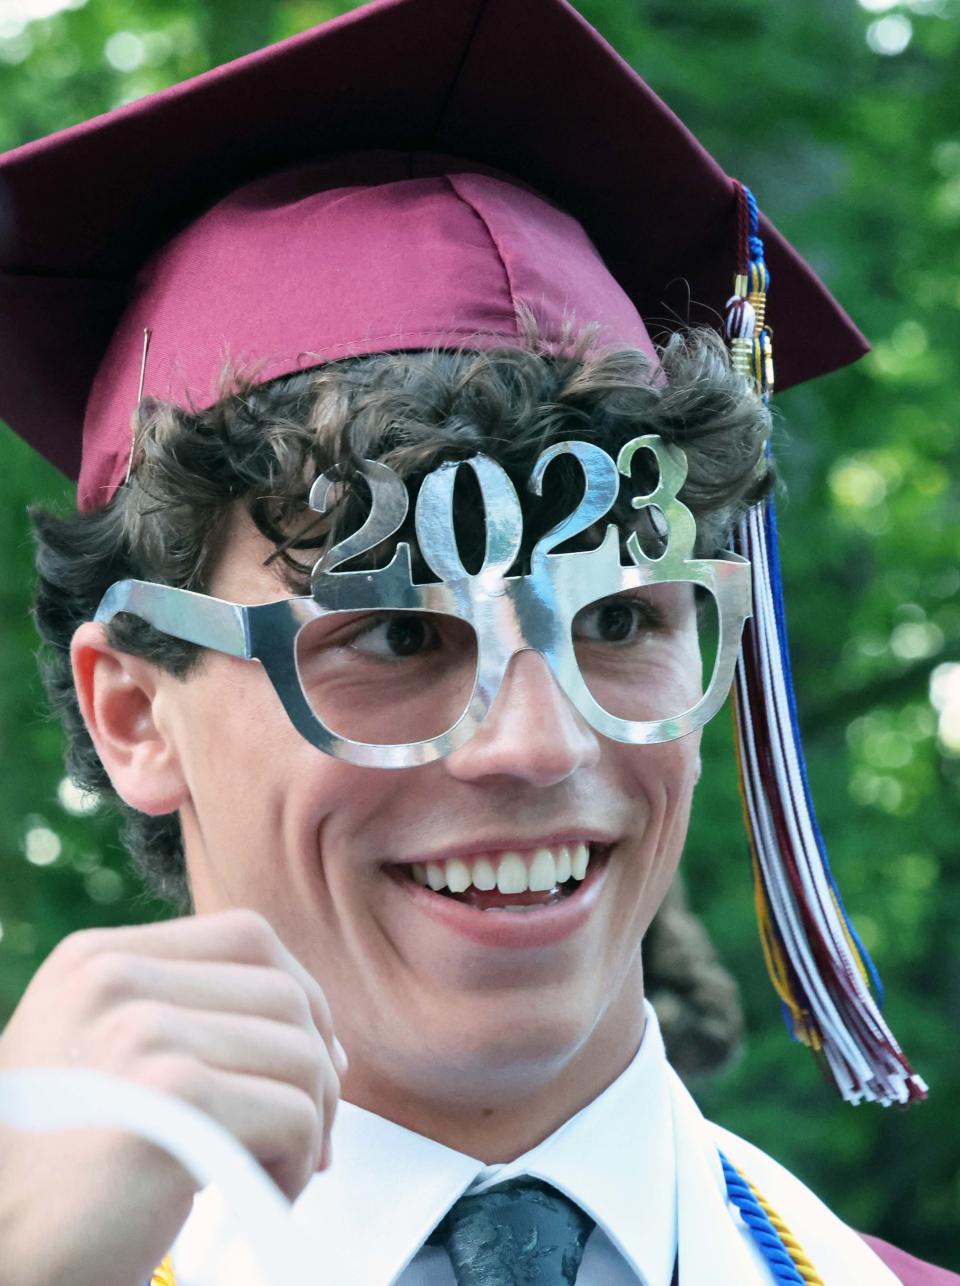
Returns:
point(378, 670)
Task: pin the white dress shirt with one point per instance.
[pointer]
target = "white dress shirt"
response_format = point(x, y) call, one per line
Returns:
point(640, 1159)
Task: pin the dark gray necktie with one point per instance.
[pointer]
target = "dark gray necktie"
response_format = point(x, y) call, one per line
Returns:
point(520, 1233)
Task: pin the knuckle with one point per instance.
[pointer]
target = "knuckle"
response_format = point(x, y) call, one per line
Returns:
point(322, 1009)
point(252, 931)
point(134, 1029)
point(318, 1075)
point(331, 1098)
point(291, 999)
point(178, 1075)
point(305, 1067)
point(306, 1051)
point(304, 1122)
point(333, 1087)
point(76, 948)
point(109, 975)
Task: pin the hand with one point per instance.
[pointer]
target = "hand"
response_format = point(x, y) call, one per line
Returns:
point(212, 1009)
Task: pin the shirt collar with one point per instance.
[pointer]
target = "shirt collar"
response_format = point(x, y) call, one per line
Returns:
point(385, 1192)
point(615, 1158)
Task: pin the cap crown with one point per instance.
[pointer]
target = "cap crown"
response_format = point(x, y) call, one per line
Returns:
point(530, 90)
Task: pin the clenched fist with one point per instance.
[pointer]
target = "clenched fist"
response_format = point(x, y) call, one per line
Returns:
point(212, 1009)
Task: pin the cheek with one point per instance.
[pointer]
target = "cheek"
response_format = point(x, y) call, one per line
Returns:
point(660, 779)
point(244, 765)
point(663, 775)
point(692, 664)
point(232, 733)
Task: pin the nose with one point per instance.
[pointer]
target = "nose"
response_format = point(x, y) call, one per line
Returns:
point(531, 732)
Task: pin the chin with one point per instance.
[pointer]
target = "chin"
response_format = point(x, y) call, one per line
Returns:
point(513, 1040)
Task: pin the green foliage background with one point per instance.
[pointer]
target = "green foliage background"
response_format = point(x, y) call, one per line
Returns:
point(856, 155)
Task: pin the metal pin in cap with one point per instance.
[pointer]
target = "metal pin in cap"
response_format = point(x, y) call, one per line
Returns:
point(143, 371)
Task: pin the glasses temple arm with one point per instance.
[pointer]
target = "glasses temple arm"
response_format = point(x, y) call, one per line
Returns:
point(181, 613)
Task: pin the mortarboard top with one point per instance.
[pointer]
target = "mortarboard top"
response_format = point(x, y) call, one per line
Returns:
point(100, 238)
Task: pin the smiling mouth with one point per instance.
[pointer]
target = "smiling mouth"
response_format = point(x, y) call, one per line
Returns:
point(509, 879)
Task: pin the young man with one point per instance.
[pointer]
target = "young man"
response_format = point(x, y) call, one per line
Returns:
point(425, 835)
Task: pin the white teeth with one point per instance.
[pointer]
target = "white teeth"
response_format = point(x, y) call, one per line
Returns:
point(542, 875)
point(484, 875)
point(512, 874)
point(458, 876)
point(564, 869)
point(508, 872)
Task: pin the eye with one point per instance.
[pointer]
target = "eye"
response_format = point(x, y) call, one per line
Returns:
point(393, 637)
point(616, 620)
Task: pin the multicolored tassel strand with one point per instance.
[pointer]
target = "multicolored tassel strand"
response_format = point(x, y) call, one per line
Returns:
point(818, 966)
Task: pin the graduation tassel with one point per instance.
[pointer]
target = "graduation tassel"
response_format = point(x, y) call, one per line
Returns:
point(826, 982)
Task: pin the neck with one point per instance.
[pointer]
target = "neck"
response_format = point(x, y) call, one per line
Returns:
point(514, 1114)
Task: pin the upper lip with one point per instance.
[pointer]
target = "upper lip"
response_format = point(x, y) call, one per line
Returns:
point(510, 844)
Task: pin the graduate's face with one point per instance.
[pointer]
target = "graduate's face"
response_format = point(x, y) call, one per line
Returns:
point(427, 992)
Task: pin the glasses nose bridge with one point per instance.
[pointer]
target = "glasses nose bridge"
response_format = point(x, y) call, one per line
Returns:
point(531, 729)
point(542, 685)
point(507, 629)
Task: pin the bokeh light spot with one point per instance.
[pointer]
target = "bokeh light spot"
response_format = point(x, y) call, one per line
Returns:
point(909, 339)
point(75, 800)
point(104, 885)
point(947, 200)
point(945, 685)
point(890, 35)
point(916, 640)
point(918, 871)
point(948, 730)
point(946, 157)
point(857, 484)
point(945, 699)
point(868, 931)
point(125, 51)
point(41, 846)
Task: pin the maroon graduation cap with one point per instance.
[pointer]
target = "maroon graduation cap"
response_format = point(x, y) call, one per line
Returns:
point(402, 177)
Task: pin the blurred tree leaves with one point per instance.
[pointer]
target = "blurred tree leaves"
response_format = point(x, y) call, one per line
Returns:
point(845, 120)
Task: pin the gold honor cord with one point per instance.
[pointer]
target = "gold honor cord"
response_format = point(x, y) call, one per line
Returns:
point(164, 1276)
point(790, 1243)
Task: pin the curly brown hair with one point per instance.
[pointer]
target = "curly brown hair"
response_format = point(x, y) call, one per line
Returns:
point(261, 446)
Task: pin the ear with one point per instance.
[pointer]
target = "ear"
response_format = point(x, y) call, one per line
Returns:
point(118, 697)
